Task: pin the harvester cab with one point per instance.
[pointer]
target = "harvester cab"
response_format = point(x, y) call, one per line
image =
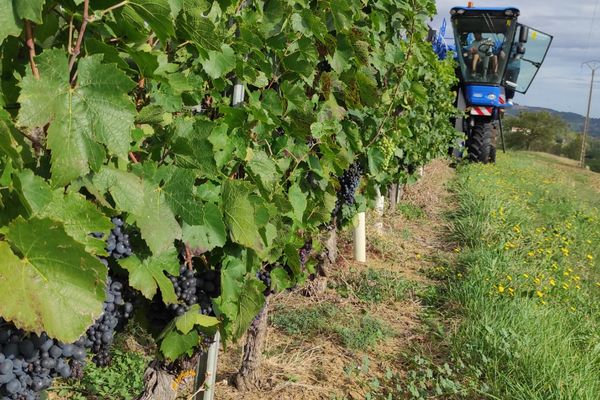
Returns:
point(497, 56)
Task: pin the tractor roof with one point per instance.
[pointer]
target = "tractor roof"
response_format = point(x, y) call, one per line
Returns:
point(476, 11)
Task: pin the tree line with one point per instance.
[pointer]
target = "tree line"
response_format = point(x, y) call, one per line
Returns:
point(545, 132)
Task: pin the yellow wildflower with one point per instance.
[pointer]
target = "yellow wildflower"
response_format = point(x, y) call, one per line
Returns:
point(590, 257)
point(539, 293)
point(552, 282)
point(500, 289)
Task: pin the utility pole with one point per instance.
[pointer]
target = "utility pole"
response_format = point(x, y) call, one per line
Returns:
point(593, 65)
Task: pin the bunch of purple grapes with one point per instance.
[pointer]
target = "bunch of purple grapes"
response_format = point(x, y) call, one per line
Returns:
point(195, 287)
point(117, 242)
point(28, 362)
point(349, 183)
point(99, 337)
point(264, 275)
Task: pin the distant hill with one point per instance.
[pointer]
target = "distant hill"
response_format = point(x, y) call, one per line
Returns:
point(574, 120)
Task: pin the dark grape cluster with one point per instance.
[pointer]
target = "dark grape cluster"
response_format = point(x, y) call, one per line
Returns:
point(265, 277)
point(349, 182)
point(194, 287)
point(117, 242)
point(99, 337)
point(304, 252)
point(324, 66)
point(29, 362)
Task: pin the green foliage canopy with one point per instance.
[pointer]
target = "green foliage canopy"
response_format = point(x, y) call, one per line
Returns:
point(133, 117)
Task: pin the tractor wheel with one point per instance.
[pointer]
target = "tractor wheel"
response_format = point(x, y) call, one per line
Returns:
point(481, 143)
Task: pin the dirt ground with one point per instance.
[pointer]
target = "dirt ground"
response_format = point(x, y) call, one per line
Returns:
point(294, 368)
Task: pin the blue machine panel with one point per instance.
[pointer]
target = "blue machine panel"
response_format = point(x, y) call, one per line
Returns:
point(481, 95)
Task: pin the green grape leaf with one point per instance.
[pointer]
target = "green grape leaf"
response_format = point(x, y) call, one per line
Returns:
point(79, 216)
point(12, 12)
point(199, 30)
point(262, 166)
point(342, 15)
point(176, 6)
point(157, 14)
point(8, 144)
point(10, 23)
point(223, 146)
point(96, 112)
point(175, 344)
point(240, 214)
point(340, 61)
point(179, 193)
point(219, 62)
point(298, 201)
point(30, 9)
point(148, 276)
point(280, 279)
point(241, 299)
point(308, 24)
point(54, 286)
point(192, 318)
point(196, 153)
point(208, 231)
point(146, 203)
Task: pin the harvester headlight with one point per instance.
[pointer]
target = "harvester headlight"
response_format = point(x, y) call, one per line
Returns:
point(491, 96)
point(509, 13)
point(461, 11)
point(452, 12)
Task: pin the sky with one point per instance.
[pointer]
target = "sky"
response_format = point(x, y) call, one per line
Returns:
point(562, 82)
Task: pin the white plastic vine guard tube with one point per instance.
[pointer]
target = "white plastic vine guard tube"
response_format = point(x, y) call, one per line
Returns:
point(360, 239)
point(206, 371)
point(379, 208)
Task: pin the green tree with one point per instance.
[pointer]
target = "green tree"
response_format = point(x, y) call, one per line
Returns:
point(572, 149)
point(535, 131)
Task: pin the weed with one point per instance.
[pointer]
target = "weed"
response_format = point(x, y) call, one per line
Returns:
point(425, 379)
point(410, 211)
point(122, 380)
point(304, 321)
point(354, 331)
point(362, 335)
point(377, 286)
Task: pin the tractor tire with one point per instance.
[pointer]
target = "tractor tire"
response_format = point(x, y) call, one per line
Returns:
point(481, 144)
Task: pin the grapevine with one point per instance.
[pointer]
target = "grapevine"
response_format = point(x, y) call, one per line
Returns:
point(124, 109)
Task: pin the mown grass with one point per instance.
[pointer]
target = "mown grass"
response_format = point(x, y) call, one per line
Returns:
point(352, 328)
point(527, 281)
point(375, 286)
